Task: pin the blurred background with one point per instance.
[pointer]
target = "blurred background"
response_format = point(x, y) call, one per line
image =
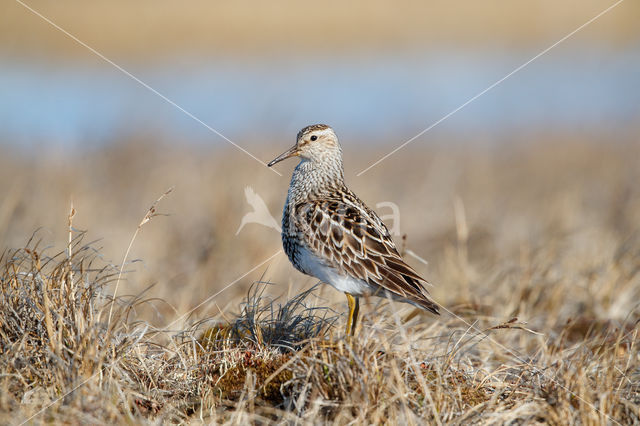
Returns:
point(543, 164)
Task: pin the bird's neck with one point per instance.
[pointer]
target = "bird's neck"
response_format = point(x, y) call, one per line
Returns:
point(311, 179)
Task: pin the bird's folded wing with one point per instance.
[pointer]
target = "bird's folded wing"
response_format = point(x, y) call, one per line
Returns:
point(356, 242)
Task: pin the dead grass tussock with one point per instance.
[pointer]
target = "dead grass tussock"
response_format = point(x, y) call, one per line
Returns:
point(52, 337)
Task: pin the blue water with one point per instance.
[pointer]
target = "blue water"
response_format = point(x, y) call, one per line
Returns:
point(364, 96)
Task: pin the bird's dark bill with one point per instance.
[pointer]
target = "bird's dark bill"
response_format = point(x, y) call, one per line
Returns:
point(291, 152)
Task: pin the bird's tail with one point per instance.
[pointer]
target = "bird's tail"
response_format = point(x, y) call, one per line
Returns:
point(426, 304)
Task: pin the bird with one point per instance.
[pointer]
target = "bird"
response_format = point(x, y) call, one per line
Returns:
point(260, 213)
point(330, 234)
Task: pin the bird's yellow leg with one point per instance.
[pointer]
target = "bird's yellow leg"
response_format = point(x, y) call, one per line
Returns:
point(352, 320)
point(356, 311)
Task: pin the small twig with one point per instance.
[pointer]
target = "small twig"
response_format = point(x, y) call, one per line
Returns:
point(72, 213)
point(151, 213)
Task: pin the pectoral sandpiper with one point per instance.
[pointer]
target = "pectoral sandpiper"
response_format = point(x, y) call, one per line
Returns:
point(329, 233)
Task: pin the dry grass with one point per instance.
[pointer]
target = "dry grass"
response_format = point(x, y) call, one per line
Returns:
point(538, 263)
point(152, 28)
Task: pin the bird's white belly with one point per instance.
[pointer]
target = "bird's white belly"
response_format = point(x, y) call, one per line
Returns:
point(310, 264)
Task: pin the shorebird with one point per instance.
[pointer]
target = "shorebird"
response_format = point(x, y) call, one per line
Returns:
point(330, 234)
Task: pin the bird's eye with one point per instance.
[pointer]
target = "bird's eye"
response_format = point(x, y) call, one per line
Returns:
point(314, 137)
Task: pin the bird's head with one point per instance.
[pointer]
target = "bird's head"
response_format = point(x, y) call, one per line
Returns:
point(316, 143)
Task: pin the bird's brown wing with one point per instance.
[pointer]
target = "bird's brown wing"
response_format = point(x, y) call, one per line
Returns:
point(354, 241)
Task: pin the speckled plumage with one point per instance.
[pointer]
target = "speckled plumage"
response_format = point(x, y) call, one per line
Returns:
point(329, 233)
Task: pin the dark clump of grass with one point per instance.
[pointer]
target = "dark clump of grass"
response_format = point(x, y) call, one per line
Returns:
point(255, 348)
point(264, 322)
